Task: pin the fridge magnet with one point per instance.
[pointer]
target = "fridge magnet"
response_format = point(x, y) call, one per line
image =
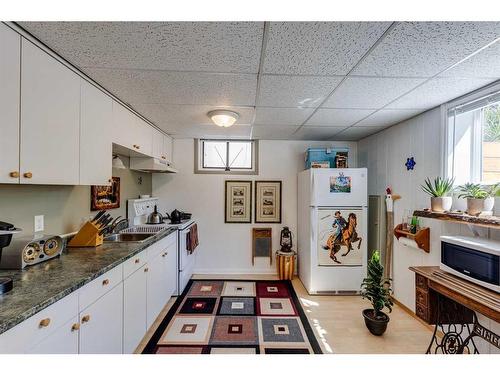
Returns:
point(268, 201)
point(103, 197)
point(262, 244)
point(338, 240)
point(238, 202)
point(340, 184)
point(410, 163)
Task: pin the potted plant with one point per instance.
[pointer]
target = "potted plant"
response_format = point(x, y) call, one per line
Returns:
point(377, 290)
point(479, 198)
point(438, 190)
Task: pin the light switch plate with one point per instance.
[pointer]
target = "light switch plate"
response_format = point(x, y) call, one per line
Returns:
point(39, 225)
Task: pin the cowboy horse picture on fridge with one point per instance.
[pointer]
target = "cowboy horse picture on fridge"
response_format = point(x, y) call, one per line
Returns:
point(339, 243)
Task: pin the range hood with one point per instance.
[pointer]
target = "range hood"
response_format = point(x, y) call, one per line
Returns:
point(151, 165)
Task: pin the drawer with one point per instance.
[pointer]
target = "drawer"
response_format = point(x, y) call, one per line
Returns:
point(40, 326)
point(422, 297)
point(100, 286)
point(133, 264)
point(421, 282)
point(169, 242)
point(422, 312)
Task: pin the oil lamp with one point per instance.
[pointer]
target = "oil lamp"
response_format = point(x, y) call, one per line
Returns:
point(286, 240)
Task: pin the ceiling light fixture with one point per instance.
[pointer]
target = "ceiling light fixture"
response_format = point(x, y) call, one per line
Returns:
point(223, 118)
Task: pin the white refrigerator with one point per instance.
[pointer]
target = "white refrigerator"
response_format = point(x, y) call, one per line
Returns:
point(332, 229)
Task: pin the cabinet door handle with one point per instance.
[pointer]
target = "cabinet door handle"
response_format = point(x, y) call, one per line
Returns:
point(105, 282)
point(75, 327)
point(14, 174)
point(44, 322)
point(28, 175)
point(137, 260)
point(146, 269)
point(86, 318)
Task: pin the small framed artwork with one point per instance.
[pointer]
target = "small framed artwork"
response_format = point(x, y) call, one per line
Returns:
point(238, 206)
point(340, 184)
point(262, 244)
point(268, 201)
point(105, 197)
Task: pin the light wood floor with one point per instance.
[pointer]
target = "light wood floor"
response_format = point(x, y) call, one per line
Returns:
point(338, 324)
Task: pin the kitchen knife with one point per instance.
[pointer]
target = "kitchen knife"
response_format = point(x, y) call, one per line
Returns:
point(102, 219)
point(99, 214)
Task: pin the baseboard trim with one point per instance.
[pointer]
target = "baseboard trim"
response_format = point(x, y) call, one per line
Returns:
point(412, 313)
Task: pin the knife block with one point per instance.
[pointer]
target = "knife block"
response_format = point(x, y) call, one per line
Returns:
point(87, 236)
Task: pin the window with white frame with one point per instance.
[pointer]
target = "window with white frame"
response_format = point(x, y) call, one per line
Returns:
point(473, 139)
point(226, 156)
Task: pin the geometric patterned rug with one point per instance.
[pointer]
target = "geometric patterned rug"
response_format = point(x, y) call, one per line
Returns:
point(235, 316)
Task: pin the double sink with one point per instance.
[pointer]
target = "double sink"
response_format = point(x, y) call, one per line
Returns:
point(128, 237)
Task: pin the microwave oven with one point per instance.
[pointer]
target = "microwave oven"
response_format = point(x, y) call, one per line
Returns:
point(472, 258)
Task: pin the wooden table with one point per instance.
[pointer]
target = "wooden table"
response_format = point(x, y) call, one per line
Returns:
point(451, 303)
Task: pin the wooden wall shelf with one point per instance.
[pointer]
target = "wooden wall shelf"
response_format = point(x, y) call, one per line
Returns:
point(460, 218)
point(422, 238)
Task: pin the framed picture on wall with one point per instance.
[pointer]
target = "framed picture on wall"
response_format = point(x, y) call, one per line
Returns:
point(105, 197)
point(238, 206)
point(268, 201)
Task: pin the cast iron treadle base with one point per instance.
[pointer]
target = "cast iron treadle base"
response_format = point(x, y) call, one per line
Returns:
point(453, 322)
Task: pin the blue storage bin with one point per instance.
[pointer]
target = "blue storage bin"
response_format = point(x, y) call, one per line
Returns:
point(324, 155)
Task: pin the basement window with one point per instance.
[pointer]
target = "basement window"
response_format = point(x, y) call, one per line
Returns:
point(220, 156)
point(473, 139)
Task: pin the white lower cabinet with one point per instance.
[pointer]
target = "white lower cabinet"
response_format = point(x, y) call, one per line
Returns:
point(101, 324)
point(110, 315)
point(134, 309)
point(63, 341)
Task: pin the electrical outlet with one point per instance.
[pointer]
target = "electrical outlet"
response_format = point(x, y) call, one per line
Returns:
point(39, 226)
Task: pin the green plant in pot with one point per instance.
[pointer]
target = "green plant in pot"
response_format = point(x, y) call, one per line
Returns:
point(479, 198)
point(439, 190)
point(377, 290)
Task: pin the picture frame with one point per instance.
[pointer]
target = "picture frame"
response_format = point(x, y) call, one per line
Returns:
point(105, 197)
point(268, 202)
point(238, 202)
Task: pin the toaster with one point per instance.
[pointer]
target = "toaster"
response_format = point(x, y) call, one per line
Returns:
point(28, 251)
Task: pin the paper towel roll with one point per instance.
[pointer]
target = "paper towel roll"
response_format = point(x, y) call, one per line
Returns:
point(408, 242)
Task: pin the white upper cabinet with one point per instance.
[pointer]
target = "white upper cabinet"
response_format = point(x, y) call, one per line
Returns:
point(131, 131)
point(50, 119)
point(123, 127)
point(157, 144)
point(10, 65)
point(96, 118)
point(143, 137)
point(167, 148)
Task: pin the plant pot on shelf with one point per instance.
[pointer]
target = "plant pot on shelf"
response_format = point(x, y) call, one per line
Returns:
point(441, 204)
point(375, 324)
point(475, 206)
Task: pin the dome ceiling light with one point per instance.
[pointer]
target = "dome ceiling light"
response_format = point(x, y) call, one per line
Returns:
point(223, 118)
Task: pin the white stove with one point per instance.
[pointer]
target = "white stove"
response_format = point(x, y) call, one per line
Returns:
point(138, 211)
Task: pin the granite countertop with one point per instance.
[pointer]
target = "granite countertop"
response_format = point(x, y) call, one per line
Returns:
point(39, 286)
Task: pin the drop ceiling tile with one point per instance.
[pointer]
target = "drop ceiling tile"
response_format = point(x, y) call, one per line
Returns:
point(312, 133)
point(369, 92)
point(273, 132)
point(156, 87)
point(436, 92)
point(423, 49)
point(192, 46)
point(176, 117)
point(356, 133)
point(295, 91)
point(281, 116)
point(485, 64)
point(319, 48)
point(205, 131)
point(387, 117)
point(337, 117)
